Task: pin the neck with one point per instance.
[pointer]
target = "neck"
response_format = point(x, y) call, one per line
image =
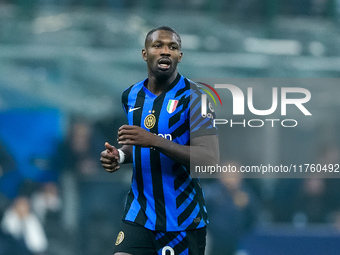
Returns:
point(157, 86)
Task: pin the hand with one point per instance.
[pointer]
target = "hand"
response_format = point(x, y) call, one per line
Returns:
point(134, 135)
point(109, 158)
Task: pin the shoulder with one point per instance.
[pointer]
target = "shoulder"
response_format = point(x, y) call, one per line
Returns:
point(193, 87)
point(132, 89)
point(188, 87)
point(137, 85)
point(195, 91)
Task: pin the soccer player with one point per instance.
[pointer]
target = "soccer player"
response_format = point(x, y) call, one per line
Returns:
point(165, 208)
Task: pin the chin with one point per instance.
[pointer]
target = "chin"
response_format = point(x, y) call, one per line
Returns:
point(163, 75)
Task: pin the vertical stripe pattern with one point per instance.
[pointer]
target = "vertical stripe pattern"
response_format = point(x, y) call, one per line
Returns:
point(163, 196)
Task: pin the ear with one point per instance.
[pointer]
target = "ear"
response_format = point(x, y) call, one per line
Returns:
point(180, 57)
point(144, 54)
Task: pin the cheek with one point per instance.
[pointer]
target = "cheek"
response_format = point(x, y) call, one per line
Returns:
point(150, 57)
point(151, 61)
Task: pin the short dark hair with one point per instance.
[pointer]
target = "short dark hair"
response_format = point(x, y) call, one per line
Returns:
point(163, 28)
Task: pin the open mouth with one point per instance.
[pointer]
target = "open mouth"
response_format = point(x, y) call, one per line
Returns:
point(164, 63)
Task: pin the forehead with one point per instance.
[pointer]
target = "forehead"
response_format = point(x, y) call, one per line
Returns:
point(164, 35)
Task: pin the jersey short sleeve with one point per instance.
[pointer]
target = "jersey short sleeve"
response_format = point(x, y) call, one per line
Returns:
point(201, 120)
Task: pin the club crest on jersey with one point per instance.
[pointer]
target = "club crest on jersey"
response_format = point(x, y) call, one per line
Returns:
point(172, 105)
point(150, 121)
point(120, 238)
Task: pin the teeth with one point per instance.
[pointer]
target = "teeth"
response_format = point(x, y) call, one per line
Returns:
point(163, 65)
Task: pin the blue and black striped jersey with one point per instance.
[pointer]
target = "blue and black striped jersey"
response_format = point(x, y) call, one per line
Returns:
point(163, 195)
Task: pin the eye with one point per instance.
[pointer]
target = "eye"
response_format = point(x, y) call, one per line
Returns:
point(156, 46)
point(173, 47)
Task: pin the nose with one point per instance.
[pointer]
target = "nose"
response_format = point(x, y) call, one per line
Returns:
point(165, 51)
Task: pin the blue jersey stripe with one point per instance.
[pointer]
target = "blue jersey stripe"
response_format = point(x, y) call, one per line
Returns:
point(185, 252)
point(186, 203)
point(148, 190)
point(189, 220)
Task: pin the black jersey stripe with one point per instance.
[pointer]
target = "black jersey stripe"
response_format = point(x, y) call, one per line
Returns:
point(176, 168)
point(125, 98)
point(198, 121)
point(181, 129)
point(184, 195)
point(178, 182)
point(200, 196)
point(188, 210)
point(137, 117)
point(181, 91)
point(194, 113)
point(179, 242)
point(141, 217)
point(167, 238)
point(176, 117)
point(182, 246)
point(184, 89)
point(173, 84)
point(181, 178)
point(156, 173)
point(193, 104)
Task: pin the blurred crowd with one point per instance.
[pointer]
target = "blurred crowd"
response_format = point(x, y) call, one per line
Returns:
point(257, 8)
point(75, 212)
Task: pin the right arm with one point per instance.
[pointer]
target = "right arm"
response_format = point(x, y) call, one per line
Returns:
point(110, 157)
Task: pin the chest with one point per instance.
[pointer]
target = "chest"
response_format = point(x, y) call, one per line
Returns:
point(159, 115)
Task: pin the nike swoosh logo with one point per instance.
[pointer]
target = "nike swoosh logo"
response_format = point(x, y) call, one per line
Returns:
point(133, 109)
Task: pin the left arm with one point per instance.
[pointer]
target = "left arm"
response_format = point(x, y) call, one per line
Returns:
point(203, 150)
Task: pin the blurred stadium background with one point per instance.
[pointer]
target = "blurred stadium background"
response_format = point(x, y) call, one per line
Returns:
point(63, 67)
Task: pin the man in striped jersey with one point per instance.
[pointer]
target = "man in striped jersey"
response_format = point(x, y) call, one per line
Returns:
point(165, 207)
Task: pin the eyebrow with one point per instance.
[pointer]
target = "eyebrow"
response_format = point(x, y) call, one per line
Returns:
point(160, 41)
